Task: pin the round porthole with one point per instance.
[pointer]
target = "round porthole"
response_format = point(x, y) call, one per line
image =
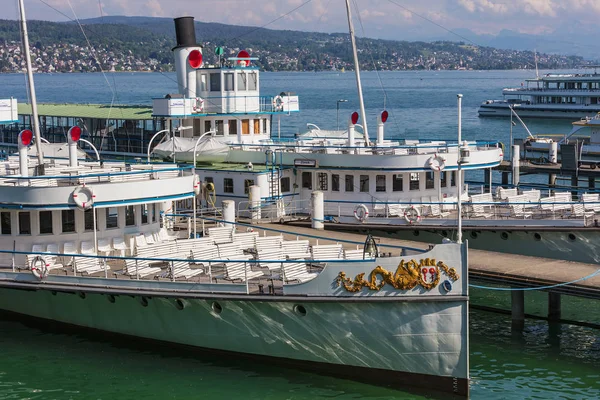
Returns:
point(504, 235)
point(179, 304)
point(572, 237)
point(54, 293)
point(144, 301)
point(111, 298)
point(216, 307)
point(82, 295)
point(473, 235)
point(444, 233)
point(537, 237)
point(416, 233)
point(300, 310)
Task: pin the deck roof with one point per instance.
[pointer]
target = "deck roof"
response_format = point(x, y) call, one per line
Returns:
point(95, 111)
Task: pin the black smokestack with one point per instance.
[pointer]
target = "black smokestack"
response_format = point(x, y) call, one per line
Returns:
point(185, 31)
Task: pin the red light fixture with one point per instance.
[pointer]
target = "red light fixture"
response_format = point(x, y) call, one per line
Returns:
point(384, 116)
point(244, 54)
point(354, 118)
point(26, 137)
point(75, 133)
point(195, 59)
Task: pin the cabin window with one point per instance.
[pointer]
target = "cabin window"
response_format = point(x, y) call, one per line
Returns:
point(24, 223)
point(241, 81)
point(364, 183)
point(335, 183)
point(203, 82)
point(443, 179)
point(215, 82)
point(45, 222)
point(219, 128)
point(207, 126)
point(144, 208)
point(380, 183)
point(228, 185)
point(413, 184)
point(245, 127)
point(252, 81)
point(233, 127)
point(247, 184)
point(397, 182)
point(129, 216)
point(257, 126)
point(68, 221)
point(88, 219)
point(112, 218)
point(453, 178)
point(285, 184)
point(5, 223)
point(429, 182)
point(154, 213)
point(307, 180)
point(322, 181)
point(228, 77)
point(349, 187)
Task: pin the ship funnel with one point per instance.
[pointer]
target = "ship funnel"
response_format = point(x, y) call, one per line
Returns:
point(188, 57)
point(185, 31)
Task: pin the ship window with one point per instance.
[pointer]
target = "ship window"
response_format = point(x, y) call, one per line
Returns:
point(247, 184)
point(252, 81)
point(203, 80)
point(233, 127)
point(24, 223)
point(453, 178)
point(322, 181)
point(215, 82)
point(285, 184)
point(5, 222)
point(307, 180)
point(45, 222)
point(228, 185)
point(241, 81)
point(154, 213)
point(209, 179)
point(144, 208)
point(88, 219)
point(444, 179)
point(349, 187)
point(245, 127)
point(256, 126)
point(380, 183)
point(219, 127)
point(129, 216)
point(429, 180)
point(413, 184)
point(228, 82)
point(397, 182)
point(364, 183)
point(207, 125)
point(68, 221)
point(335, 183)
point(112, 220)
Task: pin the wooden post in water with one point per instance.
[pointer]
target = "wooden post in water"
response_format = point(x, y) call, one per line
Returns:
point(554, 306)
point(518, 308)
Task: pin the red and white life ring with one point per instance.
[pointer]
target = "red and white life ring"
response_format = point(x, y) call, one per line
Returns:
point(39, 268)
point(198, 105)
point(83, 197)
point(278, 103)
point(361, 213)
point(437, 162)
point(412, 215)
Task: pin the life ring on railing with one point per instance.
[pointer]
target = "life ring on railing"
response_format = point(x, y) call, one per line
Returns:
point(83, 197)
point(198, 105)
point(412, 215)
point(196, 185)
point(39, 268)
point(361, 213)
point(437, 162)
point(278, 103)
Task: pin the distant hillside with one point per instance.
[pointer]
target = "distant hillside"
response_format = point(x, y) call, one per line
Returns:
point(144, 44)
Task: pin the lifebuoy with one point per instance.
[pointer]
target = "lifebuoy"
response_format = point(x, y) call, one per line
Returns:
point(412, 215)
point(83, 197)
point(39, 268)
point(196, 185)
point(361, 213)
point(198, 105)
point(437, 162)
point(278, 103)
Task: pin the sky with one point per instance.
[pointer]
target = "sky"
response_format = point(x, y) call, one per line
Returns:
point(384, 19)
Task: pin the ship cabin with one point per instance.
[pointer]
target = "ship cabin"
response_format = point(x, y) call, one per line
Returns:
point(565, 89)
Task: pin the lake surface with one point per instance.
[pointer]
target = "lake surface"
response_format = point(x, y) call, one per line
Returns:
point(542, 361)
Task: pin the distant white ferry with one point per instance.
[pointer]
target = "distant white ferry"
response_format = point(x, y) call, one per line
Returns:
point(571, 96)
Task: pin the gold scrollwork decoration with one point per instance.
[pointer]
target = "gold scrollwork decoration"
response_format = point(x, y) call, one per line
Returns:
point(408, 275)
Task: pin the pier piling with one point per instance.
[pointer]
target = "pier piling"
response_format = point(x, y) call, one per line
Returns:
point(518, 308)
point(554, 306)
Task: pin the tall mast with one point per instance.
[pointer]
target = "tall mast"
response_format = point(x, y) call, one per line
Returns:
point(357, 71)
point(35, 118)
